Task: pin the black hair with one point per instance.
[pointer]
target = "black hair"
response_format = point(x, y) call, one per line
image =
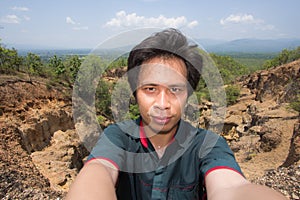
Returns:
point(165, 44)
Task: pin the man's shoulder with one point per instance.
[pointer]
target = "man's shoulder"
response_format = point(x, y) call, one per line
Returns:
point(200, 136)
point(198, 131)
point(124, 128)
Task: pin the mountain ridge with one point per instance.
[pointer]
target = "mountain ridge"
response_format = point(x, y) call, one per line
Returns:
point(252, 45)
point(243, 45)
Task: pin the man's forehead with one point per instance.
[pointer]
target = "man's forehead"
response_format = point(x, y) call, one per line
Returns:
point(166, 63)
point(157, 73)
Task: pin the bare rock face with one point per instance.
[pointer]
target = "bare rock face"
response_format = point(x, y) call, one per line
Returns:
point(261, 129)
point(261, 105)
point(278, 84)
point(19, 177)
point(270, 140)
point(39, 127)
point(40, 153)
point(61, 160)
point(294, 151)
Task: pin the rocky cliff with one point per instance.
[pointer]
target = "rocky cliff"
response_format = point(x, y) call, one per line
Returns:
point(263, 131)
point(40, 152)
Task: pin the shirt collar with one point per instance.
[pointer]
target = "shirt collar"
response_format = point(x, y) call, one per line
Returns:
point(143, 136)
point(183, 133)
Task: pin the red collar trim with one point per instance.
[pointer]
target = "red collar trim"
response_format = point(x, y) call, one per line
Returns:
point(143, 136)
point(144, 139)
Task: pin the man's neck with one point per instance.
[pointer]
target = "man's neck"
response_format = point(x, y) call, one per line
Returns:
point(160, 140)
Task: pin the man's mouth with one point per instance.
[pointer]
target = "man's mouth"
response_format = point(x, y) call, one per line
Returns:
point(161, 119)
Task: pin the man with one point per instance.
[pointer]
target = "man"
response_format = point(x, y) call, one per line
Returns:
point(160, 156)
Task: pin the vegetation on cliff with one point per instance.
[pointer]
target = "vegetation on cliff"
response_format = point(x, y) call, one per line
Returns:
point(63, 70)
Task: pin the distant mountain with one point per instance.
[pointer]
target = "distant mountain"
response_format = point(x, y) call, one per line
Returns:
point(210, 45)
point(209, 42)
point(51, 52)
point(251, 45)
point(28, 46)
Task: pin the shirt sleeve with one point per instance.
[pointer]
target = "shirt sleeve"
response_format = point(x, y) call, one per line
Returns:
point(110, 146)
point(216, 154)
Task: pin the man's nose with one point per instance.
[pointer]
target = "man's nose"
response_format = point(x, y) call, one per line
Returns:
point(163, 100)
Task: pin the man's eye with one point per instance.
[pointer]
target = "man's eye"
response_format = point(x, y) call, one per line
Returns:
point(150, 89)
point(175, 89)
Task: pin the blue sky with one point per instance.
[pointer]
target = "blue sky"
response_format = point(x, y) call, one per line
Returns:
point(84, 24)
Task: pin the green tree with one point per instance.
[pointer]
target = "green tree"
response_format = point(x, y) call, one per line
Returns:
point(295, 54)
point(57, 65)
point(73, 65)
point(119, 62)
point(285, 56)
point(232, 94)
point(16, 60)
point(295, 104)
point(229, 68)
point(103, 99)
point(10, 61)
point(88, 78)
point(34, 64)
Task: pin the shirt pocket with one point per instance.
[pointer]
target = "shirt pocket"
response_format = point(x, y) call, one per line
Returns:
point(182, 192)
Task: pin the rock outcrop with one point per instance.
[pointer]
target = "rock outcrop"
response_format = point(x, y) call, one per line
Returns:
point(40, 153)
point(64, 157)
point(261, 128)
point(294, 151)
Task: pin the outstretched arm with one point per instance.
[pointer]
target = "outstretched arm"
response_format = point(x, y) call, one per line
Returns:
point(96, 180)
point(226, 184)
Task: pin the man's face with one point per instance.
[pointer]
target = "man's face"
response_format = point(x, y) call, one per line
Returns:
point(162, 93)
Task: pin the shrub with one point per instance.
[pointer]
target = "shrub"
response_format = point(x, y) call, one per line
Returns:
point(134, 112)
point(103, 99)
point(232, 94)
point(295, 105)
point(285, 56)
point(10, 61)
point(229, 68)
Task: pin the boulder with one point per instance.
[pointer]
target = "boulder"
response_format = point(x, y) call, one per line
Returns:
point(270, 140)
point(61, 160)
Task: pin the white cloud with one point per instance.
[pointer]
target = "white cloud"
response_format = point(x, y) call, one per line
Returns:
point(69, 20)
point(26, 18)
point(122, 19)
point(75, 25)
point(20, 8)
point(11, 19)
point(267, 27)
point(193, 24)
point(246, 19)
point(80, 28)
point(239, 18)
